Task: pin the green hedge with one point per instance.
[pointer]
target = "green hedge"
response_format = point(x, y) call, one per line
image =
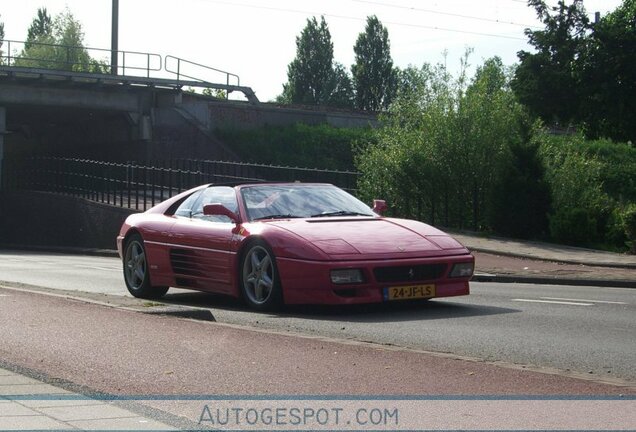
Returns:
point(593, 190)
point(319, 146)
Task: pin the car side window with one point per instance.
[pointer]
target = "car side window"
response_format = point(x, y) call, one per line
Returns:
point(216, 195)
point(185, 209)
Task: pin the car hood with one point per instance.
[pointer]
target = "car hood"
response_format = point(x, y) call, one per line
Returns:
point(372, 236)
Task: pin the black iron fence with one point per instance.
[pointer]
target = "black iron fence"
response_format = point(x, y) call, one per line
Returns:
point(141, 186)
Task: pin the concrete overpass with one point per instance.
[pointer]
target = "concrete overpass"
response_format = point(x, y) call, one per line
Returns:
point(131, 117)
point(42, 105)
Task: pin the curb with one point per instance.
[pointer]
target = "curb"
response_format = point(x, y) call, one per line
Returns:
point(556, 260)
point(63, 250)
point(544, 280)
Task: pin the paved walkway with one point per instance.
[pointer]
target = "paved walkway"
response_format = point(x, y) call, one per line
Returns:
point(505, 260)
point(546, 251)
point(29, 404)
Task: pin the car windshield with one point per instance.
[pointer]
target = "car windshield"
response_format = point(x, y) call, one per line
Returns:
point(300, 201)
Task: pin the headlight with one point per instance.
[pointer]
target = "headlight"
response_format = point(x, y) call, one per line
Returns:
point(346, 276)
point(462, 270)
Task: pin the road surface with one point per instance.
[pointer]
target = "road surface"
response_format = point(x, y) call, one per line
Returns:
point(590, 330)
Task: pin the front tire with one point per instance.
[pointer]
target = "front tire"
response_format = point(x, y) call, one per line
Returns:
point(260, 283)
point(136, 272)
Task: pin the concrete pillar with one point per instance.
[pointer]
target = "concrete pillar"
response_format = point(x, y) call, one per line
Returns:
point(3, 131)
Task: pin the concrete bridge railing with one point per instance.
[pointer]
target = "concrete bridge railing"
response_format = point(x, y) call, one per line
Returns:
point(133, 68)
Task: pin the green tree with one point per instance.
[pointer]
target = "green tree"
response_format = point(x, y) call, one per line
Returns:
point(374, 78)
point(341, 88)
point(1, 40)
point(442, 147)
point(312, 77)
point(408, 81)
point(41, 28)
point(488, 125)
point(310, 74)
point(69, 34)
point(546, 81)
point(62, 49)
point(608, 77)
point(216, 93)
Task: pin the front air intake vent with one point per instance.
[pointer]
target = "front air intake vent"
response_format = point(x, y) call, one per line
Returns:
point(414, 273)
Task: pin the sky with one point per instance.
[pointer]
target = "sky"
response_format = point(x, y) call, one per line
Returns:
point(256, 40)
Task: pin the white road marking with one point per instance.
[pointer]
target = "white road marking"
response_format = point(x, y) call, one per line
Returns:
point(553, 302)
point(96, 267)
point(584, 300)
point(28, 260)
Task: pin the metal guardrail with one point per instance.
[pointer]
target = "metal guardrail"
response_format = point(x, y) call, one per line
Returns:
point(128, 61)
point(181, 65)
point(67, 58)
point(141, 186)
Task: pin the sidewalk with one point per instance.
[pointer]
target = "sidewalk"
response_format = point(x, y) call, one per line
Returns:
point(546, 251)
point(29, 404)
point(505, 260)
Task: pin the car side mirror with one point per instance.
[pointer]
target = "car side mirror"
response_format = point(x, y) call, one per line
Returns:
point(379, 206)
point(217, 209)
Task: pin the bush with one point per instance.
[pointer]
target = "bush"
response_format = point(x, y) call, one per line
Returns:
point(618, 171)
point(574, 176)
point(613, 232)
point(520, 200)
point(597, 178)
point(628, 217)
point(574, 226)
point(318, 146)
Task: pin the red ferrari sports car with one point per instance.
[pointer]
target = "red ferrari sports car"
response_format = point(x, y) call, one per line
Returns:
point(275, 243)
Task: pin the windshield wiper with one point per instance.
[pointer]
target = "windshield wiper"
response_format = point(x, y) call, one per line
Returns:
point(340, 213)
point(276, 216)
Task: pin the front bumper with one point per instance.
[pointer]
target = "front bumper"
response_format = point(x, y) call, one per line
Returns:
point(120, 246)
point(305, 282)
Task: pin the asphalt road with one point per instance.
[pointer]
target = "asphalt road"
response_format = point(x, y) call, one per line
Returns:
point(585, 329)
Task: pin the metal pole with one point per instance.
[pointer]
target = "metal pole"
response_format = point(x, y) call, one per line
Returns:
point(3, 123)
point(114, 46)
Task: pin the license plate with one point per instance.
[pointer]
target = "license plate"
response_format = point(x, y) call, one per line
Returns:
point(409, 292)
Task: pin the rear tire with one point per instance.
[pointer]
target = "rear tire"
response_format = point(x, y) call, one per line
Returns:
point(136, 274)
point(258, 275)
